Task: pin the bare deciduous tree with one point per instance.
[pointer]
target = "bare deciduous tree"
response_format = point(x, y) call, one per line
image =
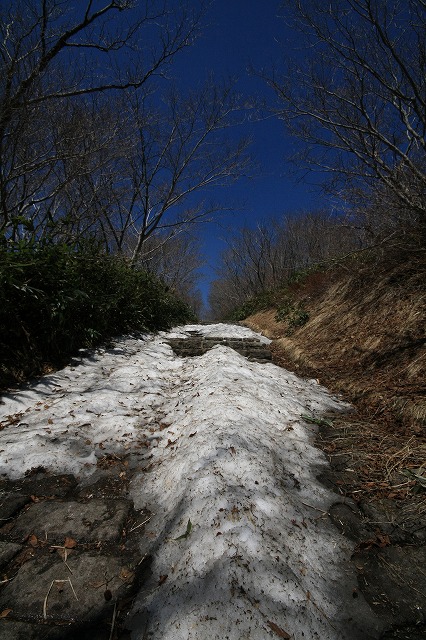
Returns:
point(174, 153)
point(251, 261)
point(359, 99)
point(87, 146)
point(52, 52)
point(175, 258)
point(264, 258)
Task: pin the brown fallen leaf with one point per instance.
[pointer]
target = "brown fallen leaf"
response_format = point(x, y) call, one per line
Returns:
point(380, 540)
point(279, 632)
point(163, 579)
point(32, 540)
point(96, 585)
point(127, 574)
point(70, 543)
point(7, 528)
point(5, 613)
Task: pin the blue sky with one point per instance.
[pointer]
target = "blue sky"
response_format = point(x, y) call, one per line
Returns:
point(239, 34)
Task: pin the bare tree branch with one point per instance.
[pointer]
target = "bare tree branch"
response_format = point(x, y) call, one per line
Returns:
point(40, 74)
point(177, 154)
point(358, 101)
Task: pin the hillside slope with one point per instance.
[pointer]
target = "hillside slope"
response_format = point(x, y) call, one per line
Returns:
point(365, 339)
point(365, 335)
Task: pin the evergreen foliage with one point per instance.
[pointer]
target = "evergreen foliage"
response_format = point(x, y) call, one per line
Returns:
point(56, 299)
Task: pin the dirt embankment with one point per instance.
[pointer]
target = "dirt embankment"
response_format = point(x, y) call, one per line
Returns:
point(365, 340)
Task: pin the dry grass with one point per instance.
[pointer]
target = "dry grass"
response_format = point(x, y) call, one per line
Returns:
point(365, 341)
point(377, 457)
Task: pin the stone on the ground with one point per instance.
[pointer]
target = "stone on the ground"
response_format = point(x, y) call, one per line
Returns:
point(96, 580)
point(97, 520)
point(389, 583)
point(197, 345)
point(10, 504)
point(8, 550)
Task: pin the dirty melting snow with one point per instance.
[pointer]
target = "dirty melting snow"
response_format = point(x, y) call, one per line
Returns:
point(218, 330)
point(239, 543)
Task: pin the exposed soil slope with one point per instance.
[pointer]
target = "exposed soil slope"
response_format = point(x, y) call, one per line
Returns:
point(365, 338)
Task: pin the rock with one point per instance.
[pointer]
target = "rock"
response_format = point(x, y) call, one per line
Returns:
point(40, 484)
point(196, 345)
point(8, 550)
point(401, 521)
point(87, 588)
point(97, 520)
point(349, 521)
point(14, 630)
point(10, 504)
point(390, 585)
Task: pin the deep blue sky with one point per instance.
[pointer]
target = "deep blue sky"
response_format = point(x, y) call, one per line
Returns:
point(239, 34)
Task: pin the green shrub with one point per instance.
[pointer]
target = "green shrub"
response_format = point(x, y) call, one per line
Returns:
point(55, 300)
point(284, 309)
point(292, 313)
point(298, 318)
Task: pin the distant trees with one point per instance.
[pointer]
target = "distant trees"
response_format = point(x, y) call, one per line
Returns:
point(358, 102)
point(176, 259)
point(265, 257)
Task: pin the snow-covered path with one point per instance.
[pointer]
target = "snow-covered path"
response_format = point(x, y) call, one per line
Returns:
point(222, 458)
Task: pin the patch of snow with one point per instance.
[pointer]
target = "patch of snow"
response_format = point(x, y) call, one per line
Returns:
point(238, 463)
point(220, 330)
point(68, 420)
point(230, 454)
